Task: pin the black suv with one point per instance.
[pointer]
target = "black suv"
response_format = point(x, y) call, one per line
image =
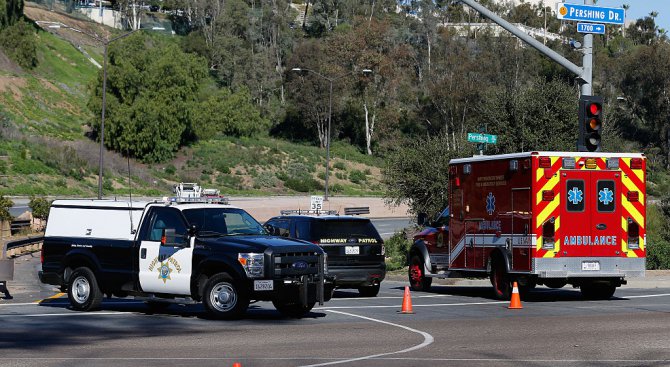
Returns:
point(354, 248)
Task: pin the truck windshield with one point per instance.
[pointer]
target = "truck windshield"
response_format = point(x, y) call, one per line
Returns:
point(223, 222)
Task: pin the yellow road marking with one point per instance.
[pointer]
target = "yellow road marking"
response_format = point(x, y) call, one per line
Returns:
point(57, 295)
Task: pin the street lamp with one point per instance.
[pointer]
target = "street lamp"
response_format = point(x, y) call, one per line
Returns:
point(330, 112)
point(105, 43)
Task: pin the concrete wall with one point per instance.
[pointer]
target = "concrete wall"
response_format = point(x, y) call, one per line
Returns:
point(110, 18)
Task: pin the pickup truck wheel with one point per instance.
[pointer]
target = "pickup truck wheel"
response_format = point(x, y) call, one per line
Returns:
point(500, 280)
point(292, 309)
point(223, 298)
point(369, 291)
point(597, 291)
point(83, 290)
point(417, 276)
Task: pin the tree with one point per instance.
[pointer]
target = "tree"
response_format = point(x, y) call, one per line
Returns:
point(5, 204)
point(151, 92)
point(228, 113)
point(415, 173)
point(40, 207)
point(10, 12)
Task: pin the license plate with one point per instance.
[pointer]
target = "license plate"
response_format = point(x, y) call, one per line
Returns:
point(263, 285)
point(352, 250)
point(590, 266)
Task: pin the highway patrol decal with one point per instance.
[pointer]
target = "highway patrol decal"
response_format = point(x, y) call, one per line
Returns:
point(162, 266)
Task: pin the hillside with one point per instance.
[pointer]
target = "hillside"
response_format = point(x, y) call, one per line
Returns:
point(46, 147)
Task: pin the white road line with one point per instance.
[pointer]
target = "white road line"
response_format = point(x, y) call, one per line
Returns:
point(581, 361)
point(397, 306)
point(648, 296)
point(427, 340)
point(389, 297)
point(67, 314)
point(19, 304)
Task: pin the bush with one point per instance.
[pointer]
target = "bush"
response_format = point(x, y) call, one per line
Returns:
point(357, 176)
point(265, 179)
point(305, 184)
point(40, 207)
point(340, 166)
point(19, 43)
point(170, 170)
point(396, 251)
point(658, 244)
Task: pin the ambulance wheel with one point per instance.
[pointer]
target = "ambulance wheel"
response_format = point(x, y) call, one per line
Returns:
point(223, 298)
point(597, 291)
point(502, 289)
point(417, 275)
point(555, 283)
point(83, 290)
point(291, 309)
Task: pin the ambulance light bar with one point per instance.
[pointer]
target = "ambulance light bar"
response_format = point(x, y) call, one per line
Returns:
point(591, 163)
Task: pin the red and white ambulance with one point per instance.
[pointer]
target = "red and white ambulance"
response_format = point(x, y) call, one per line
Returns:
point(551, 218)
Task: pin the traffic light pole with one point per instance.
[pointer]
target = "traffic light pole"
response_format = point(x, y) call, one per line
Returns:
point(584, 74)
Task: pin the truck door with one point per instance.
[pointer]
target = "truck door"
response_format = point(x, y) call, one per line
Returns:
point(165, 269)
point(589, 213)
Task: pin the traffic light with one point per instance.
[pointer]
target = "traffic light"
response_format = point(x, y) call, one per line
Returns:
point(590, 123)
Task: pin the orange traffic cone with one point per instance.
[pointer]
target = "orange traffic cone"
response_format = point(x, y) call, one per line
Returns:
point(406, 302)
point(237, 364)
point(515, 302)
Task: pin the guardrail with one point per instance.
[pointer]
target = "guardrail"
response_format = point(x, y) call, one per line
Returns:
point(357, 210)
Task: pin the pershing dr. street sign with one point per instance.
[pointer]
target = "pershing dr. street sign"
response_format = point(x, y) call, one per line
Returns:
point(590, 13)
point(482, 138)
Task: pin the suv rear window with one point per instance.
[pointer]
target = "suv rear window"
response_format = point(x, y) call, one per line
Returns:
point(343, 229)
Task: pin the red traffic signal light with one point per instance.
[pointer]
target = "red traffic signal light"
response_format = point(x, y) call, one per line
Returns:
point(590, 123)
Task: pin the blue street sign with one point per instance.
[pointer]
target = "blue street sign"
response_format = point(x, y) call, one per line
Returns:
point(591, 28)
point(590, 13)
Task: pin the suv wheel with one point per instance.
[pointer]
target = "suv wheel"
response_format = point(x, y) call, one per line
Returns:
point(369, 291)
point(292, 309)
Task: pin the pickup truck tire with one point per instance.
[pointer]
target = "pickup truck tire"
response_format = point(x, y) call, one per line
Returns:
point(294, 310)
point(369, 291)
point(223, 298)
point(83, 290)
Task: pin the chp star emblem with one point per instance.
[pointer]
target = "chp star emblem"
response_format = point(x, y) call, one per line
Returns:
point(164, 272)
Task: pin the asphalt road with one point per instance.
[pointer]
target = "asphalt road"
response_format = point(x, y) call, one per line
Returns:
point(456, 325)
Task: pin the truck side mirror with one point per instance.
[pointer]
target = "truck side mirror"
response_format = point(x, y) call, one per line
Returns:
point(422, 219)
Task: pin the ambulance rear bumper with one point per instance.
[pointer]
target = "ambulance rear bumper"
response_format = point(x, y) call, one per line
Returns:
point(574, 267)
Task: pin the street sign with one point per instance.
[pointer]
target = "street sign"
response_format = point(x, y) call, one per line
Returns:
point(482, 138)
point(591, 28)
point(590, 13)
point(316, 202)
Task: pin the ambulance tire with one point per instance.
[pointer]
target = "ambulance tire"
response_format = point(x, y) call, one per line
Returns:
point(417, 276)
point(223, 298)
point(597, 291)
point(502, 287)
point(83, 290)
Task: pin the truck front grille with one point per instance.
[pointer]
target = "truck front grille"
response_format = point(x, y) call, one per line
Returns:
point(295, 264)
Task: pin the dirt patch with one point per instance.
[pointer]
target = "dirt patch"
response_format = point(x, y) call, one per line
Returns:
point(39, 14)
point(13, 84)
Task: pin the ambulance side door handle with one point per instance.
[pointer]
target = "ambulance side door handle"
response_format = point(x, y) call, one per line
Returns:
point(601, 226)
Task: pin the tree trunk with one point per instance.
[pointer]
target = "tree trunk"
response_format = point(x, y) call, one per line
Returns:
point(369, 128)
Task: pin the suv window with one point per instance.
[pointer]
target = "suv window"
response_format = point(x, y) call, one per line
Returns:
point(332, 229)
point(279, 227)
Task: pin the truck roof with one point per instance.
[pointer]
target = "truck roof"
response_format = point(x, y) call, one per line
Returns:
point(136, 205)
point(480, 158)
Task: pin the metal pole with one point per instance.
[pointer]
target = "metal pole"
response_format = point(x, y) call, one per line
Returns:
point(587, 61)
point(102, 121)
point(330, 115)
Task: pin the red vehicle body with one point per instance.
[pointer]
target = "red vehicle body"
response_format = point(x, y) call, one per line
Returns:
point(551, 218)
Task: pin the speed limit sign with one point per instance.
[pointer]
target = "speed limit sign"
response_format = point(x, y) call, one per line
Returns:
point(316, 202)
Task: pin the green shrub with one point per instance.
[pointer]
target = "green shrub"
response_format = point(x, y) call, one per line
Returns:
point(396, 251)
point(29, 166)
point(337, 188)
point(40, 207)
point(305, 184)
point(60, 183)
point(321, 175)
point(265, 179)
point(20, 44)
point(340, 175)
point(357, 176)
point(170, 170)
point(367, 171)
point(340, 166)
point(658, 243)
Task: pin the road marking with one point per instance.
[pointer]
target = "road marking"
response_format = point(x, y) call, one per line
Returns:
point(396, 306)
point(427, 340)
point(67, 314)
point(648, 296)
point(48, 299)
point(389, 297)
